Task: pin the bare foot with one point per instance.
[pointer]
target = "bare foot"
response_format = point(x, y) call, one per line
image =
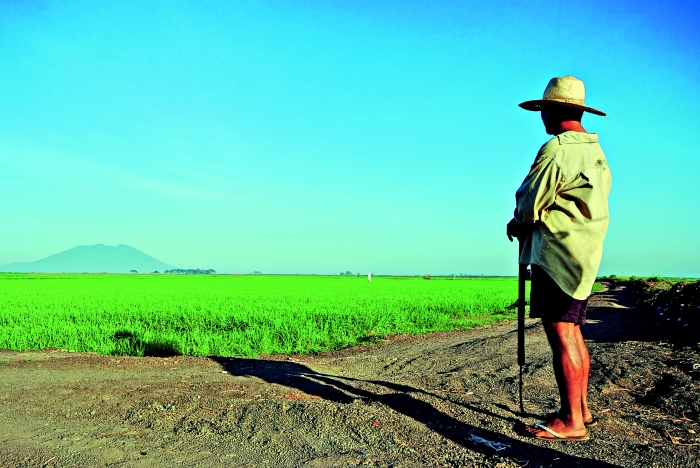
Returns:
point(558, 426)
point(585, 412)
point(587, 416)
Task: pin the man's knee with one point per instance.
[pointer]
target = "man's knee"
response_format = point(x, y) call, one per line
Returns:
point(561, 329)
point(561, 334)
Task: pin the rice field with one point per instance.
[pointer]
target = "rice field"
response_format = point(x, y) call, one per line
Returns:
point(223, 315)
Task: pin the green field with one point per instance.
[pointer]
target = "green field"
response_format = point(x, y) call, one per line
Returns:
point(217, 315)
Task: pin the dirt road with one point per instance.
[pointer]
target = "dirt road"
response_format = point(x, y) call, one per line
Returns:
point(409, 402)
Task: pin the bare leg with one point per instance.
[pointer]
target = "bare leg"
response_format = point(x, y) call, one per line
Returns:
point(586, 364)
point(568, 364)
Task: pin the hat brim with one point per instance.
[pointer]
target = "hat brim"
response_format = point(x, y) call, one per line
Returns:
point(538, 104)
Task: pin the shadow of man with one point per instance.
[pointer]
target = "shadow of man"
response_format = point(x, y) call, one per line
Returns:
point(401, 399)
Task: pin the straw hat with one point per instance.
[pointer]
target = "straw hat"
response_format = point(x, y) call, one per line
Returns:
point(562, 91)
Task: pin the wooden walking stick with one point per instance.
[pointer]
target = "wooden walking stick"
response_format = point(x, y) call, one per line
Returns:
point(522, 271)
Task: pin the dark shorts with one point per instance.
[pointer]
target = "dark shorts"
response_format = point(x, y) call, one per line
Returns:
point(550, 303)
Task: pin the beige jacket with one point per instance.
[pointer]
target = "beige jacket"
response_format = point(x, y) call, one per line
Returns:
point(565, 195)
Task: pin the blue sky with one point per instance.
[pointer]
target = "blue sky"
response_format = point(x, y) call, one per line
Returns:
point(319, 137)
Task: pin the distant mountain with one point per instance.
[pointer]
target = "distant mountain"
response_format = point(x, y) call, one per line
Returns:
point(92, 259)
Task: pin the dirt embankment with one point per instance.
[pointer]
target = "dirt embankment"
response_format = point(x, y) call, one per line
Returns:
point(441, 400)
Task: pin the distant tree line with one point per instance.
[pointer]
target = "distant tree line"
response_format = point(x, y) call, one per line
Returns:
point(197, 271)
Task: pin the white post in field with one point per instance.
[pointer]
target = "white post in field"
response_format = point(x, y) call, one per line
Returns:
point(369, 277)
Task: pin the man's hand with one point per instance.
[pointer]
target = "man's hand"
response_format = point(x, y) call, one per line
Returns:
point(517, 230)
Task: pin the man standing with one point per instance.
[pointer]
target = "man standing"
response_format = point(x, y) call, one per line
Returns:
point(561, 217)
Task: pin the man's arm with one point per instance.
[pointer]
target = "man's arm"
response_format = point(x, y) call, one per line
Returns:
point(537, 193)
point(517, 230)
